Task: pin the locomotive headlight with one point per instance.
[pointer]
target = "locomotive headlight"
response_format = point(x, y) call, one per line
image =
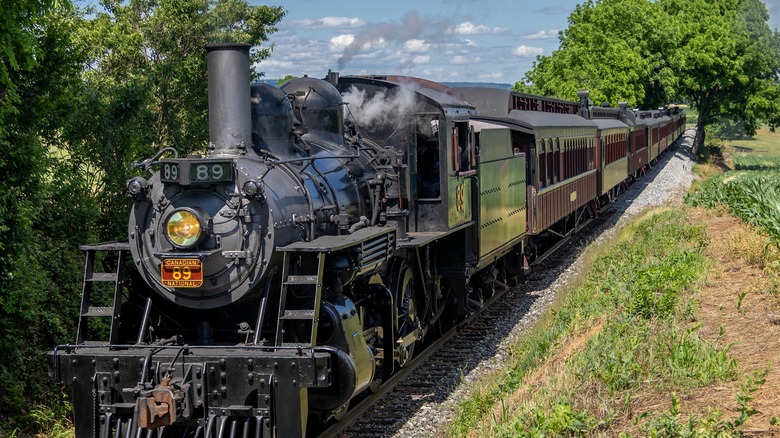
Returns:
point(184, 228)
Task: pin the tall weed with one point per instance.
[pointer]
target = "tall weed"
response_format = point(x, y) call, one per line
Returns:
point(753, 196)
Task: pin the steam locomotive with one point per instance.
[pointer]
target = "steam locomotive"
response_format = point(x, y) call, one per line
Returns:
point(332, 227)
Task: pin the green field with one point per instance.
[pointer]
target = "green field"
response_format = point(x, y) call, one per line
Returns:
point(759, 153)
point(751, 191)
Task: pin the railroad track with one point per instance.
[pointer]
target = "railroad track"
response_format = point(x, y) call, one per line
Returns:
point(444, 362)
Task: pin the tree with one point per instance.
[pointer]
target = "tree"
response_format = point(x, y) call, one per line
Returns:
point(146, 84)
point(43, 214)
point(287, 78)
point(609, 48)
point(82, 95)
point(727, 63)
point(720, 55)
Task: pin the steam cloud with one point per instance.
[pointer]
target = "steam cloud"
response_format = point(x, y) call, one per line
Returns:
point(384, 108)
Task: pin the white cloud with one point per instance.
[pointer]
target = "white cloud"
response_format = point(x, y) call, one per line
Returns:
point(421, 59)
point(330, 23)
point(470, 43)
point(415, 46)
point(541, 35)
point(527, 52)
point(377, 43)
point(340, 42)
point(275, 64)
point(469, 28)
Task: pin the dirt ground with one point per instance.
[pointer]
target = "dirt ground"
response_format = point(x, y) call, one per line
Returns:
point(740, 297)
point(740, 307)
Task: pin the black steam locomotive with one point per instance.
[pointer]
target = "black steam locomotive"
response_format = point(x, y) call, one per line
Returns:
point(332, 227)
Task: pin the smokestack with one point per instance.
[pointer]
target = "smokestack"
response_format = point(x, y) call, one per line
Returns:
point(230, 112)
point(584, 103)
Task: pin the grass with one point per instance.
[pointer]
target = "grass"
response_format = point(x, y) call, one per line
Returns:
point(765, 143)
point(752, 191)
point(625, 326)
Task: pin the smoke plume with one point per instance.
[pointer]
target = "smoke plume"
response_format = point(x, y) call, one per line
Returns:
point(385, 109)
point(412, 26)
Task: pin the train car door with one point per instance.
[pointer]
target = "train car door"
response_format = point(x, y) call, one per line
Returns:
point(462, 167)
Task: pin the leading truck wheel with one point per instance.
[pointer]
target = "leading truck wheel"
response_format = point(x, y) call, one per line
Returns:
point(407, 319)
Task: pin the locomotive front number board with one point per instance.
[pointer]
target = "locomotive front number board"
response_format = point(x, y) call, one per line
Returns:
point(196, 171)
point(181, 273)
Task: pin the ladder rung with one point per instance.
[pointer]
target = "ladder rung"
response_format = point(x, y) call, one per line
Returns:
point(103, 277)
point(99, 311)
point(301, 279)
point(298, 314)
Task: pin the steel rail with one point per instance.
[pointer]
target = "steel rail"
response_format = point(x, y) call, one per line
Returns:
point(355, 412)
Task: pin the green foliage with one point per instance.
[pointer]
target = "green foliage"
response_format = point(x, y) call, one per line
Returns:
point(670, 425)
point(750, 161)
point(619, 366)
point(753, 196)
point(685, 361)
point(44, 214)
point(148, 68)
point(287, 78)
point(83, 94)
point(724, 61)
point(561, 418)
point(730, 57)
point(730, 129)
point(18, 51)
point(601, 51)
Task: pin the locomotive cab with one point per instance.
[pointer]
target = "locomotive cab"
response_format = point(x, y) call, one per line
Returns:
point(427, 124)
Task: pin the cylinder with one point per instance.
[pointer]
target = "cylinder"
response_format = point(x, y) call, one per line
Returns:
point(230, 112)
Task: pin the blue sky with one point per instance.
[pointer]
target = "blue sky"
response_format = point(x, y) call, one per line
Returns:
point(440, 40)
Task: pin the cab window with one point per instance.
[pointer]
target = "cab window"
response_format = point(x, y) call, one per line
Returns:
point(463, 153)
point(427, 144)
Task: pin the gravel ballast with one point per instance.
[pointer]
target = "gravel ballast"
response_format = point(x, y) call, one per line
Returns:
point(665, 184)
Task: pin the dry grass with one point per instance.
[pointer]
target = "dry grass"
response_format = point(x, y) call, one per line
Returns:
point(738, 307)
